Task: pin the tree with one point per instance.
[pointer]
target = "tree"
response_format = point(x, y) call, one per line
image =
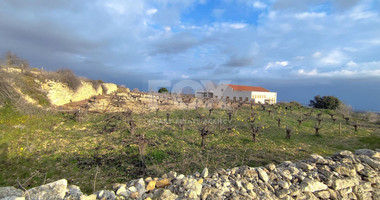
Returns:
point(163, 90)
point(325, 102)
point(13, 60)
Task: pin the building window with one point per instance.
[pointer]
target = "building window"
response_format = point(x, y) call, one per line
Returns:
point(221, 89)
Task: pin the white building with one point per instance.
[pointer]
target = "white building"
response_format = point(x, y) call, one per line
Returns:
point(244, 93)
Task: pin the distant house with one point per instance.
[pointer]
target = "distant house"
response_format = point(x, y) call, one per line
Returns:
point(244, 93)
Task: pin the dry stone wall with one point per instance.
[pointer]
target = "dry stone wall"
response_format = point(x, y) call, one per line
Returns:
point(345, 175)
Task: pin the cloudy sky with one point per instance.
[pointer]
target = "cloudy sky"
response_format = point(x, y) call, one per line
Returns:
point(298, 48)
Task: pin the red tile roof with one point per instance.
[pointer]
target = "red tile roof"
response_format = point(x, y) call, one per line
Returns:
point(247, 88)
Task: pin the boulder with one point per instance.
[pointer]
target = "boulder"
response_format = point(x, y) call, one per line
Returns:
point(54, 190)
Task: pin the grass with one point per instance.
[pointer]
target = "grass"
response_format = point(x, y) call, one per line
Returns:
point(42, 148)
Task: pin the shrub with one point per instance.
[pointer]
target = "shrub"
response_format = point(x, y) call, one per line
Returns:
point(163, 90)
point(96, 83)
point(344, 110)
point(325, 102)
point(66, 76)
point(13, 60)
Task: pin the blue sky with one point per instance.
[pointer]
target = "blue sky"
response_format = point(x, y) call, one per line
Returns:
point(298, 48)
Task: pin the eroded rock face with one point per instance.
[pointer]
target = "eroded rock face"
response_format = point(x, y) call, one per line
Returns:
point(60, 94)
point(342, 176)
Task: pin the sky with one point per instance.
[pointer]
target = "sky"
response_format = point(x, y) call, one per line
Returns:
point(298, 49)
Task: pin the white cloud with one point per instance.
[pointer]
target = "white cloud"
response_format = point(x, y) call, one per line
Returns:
point(302, 72)
point(276, 64)
point(317, 54)
point(259, 5)
point(308, 15)
point(282, 63)
point(167, 28)
point(335, 57)
point(237, 25)
point(352, 64)
point(185, 76)
point(151, 11)
point(343, 73)
point(119, 8)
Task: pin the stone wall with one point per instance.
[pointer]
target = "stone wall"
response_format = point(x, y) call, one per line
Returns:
point(342, 176)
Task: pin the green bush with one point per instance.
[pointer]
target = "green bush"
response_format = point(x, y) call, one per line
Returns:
point(325, 102)
point(163, 90)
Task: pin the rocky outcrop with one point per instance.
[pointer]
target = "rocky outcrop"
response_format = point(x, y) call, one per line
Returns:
point(60, 93)
point(109, 88)
point(344, 175)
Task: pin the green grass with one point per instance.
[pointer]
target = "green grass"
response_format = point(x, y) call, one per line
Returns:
point(41, 148)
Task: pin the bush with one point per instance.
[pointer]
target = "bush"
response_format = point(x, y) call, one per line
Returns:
point(325, 102)
point(96, 83)
point(163, 90)
point(66, 76)
point(13, 60)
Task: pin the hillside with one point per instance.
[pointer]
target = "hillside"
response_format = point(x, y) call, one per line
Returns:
point(118, 136)
point(44, 88)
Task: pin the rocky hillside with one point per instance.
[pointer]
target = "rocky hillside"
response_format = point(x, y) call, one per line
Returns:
point(39, 87)
point(342, 176)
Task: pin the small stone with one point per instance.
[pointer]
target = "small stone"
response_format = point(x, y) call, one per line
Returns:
point(308, 185)
point(323, 194)
point(200, 181)
point(74, 192)
point(164, 194)
point(205, 173)
point(197, 174)
point(151, 185)
point(343, 183)
point(193, 188)
point(163, 183)
point(318, 159)
point(284, 184)
point(54, 190)
point(345, 170)
point(13, 198)
point(148, 179)
point(89, 197)
point(105, 194)
point(368, 152)
point(172, 175)
point(249, 186)
point(262, 174)
point(10, 191)
point(371, 162)
point(140, 186)
point(304, 166)
point(134, 195)
point(181, 176)
point(132, 189)
point(333, 194)
point(271, 167)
